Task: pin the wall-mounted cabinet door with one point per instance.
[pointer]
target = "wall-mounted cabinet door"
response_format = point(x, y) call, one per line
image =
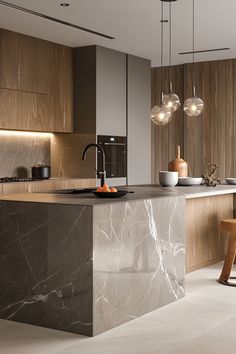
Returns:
point(111, 92)
point(100, 91)
point(36, 84)
point(139, 122)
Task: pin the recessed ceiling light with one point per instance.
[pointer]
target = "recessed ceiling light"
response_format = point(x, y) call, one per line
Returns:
point(64, 4)
point(53, 19)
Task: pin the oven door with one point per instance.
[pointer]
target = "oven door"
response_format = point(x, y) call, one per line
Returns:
point(115, 148)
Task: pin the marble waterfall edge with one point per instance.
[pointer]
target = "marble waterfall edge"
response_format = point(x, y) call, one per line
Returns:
point(139, 259)
point(87, 269)
point(46, 265)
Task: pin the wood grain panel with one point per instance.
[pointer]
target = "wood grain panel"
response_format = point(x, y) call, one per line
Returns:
point(166, 138)
point(9, 106)
point(210, 137)
point(234, 119)
point(206, 117)
point(221, 119)
point(205, 243)
point(214, 109)
point(47, 185)
point(9, 60)
point(61, 90)
point(24, 111)
point(54, 184)
point(20, 187)
point(36, 84)
point(229, 116)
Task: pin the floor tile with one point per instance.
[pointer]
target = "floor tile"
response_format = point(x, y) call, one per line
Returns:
point(203, 322)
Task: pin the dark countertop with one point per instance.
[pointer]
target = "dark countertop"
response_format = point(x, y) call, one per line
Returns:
point(140, 193)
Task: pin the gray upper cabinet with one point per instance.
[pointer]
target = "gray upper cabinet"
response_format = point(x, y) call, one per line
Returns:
point(111, 92)
point(139, 122)
point(100, 91)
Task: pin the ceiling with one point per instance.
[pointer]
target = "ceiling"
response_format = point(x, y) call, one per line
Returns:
point(135, 24)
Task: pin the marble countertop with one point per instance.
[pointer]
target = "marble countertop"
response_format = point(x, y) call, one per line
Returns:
point(140, 192)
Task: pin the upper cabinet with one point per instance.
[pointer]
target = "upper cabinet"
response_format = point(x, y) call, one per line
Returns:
point(36, 84)
point(100, 91)
point(139, 122)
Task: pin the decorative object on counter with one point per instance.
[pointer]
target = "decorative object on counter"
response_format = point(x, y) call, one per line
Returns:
point(101, 174)
point(194, 105)
point(211, 180)
point(112, 192)
point(170, 99)
point(161, 114)
point(41, 171)
point(168, 178)
point(178, 164)
point(189, 181)
point(230, 180)
point(229, 226)
point(117, 194)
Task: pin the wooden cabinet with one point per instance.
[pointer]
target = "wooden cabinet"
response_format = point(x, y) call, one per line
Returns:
point(205, 242)
point(36, 84)
point(47, 185)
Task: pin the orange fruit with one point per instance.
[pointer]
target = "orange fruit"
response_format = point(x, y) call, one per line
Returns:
point(113, 189)
point(99, 189)
point(105, 186)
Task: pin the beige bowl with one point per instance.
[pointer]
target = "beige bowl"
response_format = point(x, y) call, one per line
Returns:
point(168, 178)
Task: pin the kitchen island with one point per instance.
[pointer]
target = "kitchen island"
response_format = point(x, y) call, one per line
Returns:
point(85, 265)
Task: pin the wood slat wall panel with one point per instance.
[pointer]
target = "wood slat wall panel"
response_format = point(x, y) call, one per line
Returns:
point(206, 116)
point(165, 138)
point(234, 119)
point(229, 115)
point(209, 138)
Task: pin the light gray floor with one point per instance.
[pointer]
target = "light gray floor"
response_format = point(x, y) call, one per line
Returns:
point(204, 322)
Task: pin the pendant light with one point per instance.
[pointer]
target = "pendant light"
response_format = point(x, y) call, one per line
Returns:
point(161, 114)
point(194, 105)
point(170, 99)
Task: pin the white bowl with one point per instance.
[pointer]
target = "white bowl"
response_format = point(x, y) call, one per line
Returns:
point(189, 181)
point(168, 178)
point(231, 180)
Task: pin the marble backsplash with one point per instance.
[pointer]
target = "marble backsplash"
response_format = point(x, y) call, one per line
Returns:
point(18, 152)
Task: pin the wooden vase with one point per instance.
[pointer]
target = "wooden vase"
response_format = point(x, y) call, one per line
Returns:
point(179, 165)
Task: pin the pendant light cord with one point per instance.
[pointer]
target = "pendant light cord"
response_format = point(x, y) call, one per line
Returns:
point(193, 47)
point(162, 18)
point(170, 41)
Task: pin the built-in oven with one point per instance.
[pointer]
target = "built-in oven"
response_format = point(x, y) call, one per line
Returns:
point(115, 148)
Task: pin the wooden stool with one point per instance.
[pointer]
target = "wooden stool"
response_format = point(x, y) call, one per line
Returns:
point(229, 225)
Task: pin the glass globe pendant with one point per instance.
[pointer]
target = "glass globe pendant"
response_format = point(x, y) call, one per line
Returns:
point(171, 100)
point(161, 114)
point(193, 106)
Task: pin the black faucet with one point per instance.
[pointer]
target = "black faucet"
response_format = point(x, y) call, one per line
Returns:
point(100, 174)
